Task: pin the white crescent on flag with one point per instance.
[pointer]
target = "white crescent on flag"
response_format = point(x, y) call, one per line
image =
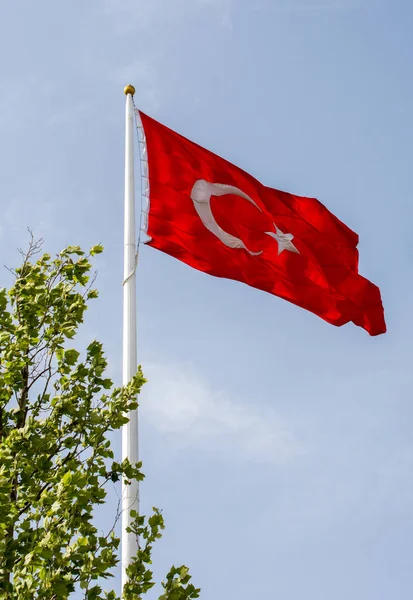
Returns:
point(201, 197)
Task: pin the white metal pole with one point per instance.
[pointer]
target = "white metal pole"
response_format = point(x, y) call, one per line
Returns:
point(130, 448)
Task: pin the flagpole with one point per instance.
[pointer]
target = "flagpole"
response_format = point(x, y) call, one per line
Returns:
point(130, 449)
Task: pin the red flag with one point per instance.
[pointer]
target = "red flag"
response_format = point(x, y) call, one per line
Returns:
point(216, 218)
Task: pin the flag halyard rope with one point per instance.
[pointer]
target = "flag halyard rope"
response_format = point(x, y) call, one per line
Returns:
point(143, 163)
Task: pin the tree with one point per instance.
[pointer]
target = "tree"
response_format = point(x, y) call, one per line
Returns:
point(57, 408)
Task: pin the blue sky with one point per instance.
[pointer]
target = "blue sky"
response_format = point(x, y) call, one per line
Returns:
point(279, 447)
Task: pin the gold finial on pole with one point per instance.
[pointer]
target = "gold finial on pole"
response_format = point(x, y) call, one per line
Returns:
point(129, 89)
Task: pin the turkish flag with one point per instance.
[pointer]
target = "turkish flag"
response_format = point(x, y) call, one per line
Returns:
point(216, 218)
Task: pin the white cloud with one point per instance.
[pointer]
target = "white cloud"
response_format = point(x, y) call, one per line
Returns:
point(188, 413)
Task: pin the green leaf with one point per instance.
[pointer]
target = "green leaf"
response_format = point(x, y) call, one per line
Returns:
point(67, 478)
point(97, 249)
point(55, 444)
point(71, 356)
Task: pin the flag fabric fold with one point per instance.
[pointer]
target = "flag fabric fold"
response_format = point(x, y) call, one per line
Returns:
point(218, 219)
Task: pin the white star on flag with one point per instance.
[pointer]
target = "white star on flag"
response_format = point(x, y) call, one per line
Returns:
point(283, 240)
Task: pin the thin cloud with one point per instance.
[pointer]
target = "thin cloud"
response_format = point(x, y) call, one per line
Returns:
point(143, 74)
point(38, 215)
point(309, 6)
point(130, 15)
point(222, 9)
point(189, 413)
point(324, 6)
